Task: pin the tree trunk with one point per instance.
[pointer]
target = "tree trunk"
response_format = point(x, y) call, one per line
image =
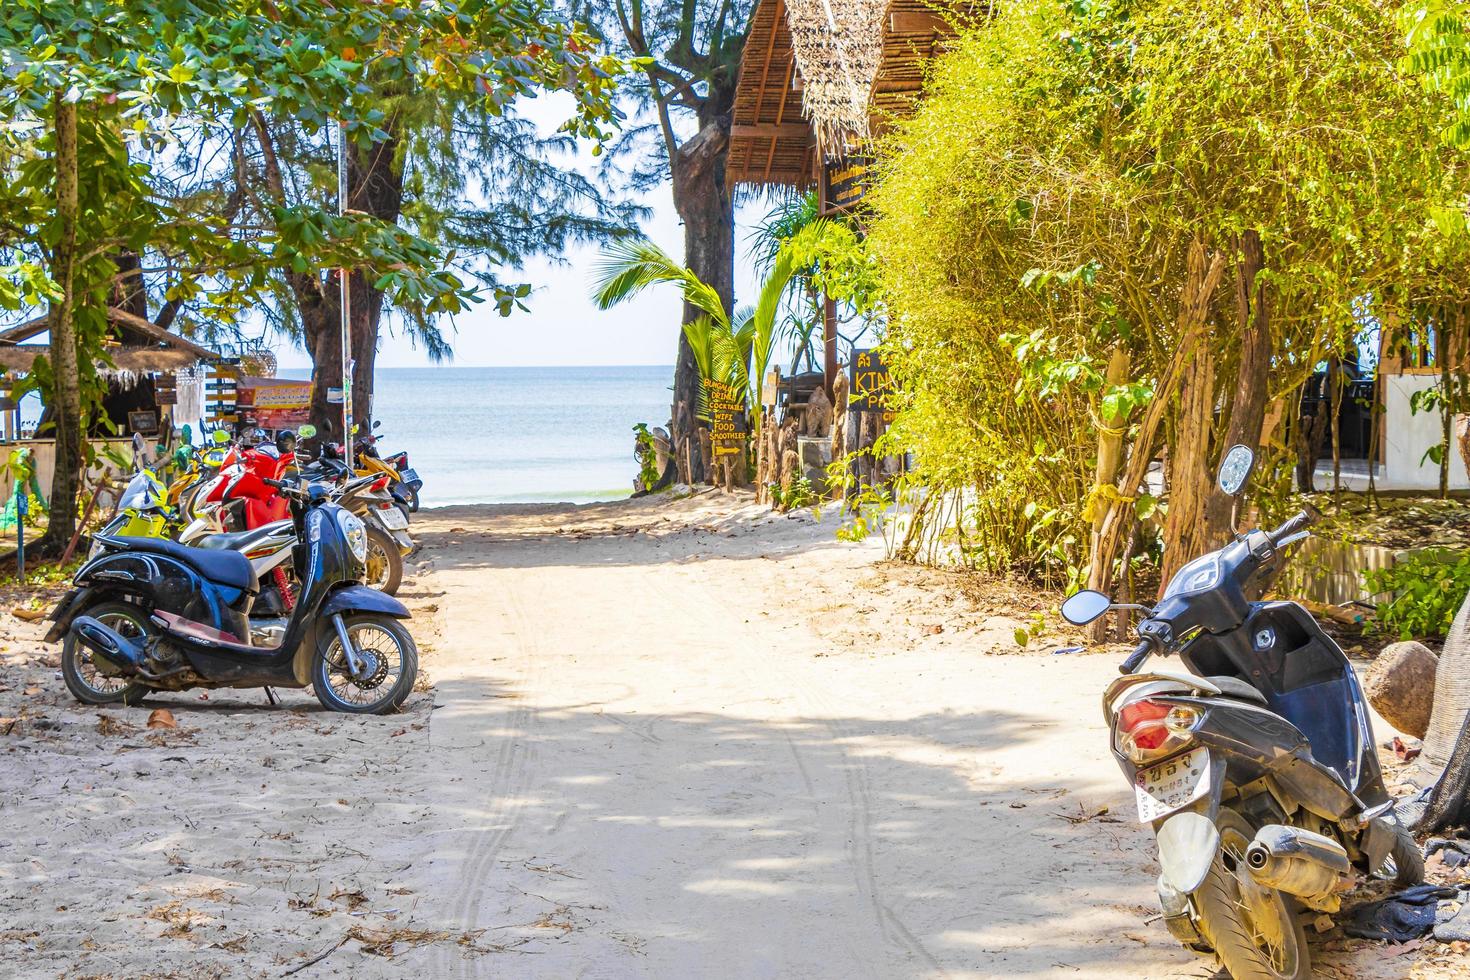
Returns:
point(67, 393)
point(1203, 278)
point(1186, 530)
point(1109, 446)
point(1446, 405)
point(375, 187)
point(704, 204)
point(1248, 404)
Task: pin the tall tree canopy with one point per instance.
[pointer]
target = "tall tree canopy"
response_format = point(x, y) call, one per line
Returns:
point(112, 90)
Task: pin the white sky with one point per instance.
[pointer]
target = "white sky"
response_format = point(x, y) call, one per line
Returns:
point(563, 327)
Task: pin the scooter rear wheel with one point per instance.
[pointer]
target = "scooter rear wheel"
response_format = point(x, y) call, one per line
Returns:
point(1253, 930)
point(384, 563)
point(388, 656)
point(84, 676)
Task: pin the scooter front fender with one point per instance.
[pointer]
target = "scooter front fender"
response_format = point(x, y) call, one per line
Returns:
point(360, 598)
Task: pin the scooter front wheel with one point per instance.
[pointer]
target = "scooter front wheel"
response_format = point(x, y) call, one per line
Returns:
point(1254, 930)
point(388, 665)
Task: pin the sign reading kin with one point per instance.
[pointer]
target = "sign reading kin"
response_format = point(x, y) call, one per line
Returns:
point(870, 385)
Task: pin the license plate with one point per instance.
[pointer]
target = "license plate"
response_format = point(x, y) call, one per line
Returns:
point(393, 518)
point(408, 476)
point(1172, 784)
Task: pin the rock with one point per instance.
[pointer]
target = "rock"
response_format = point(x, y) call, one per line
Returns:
point(1400, 686)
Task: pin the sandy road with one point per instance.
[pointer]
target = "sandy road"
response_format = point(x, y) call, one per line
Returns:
point(652, 767)
point(667, 740)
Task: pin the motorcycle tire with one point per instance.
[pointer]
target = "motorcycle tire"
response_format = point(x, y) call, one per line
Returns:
point(76, 659)
point(1408, 859)
point(413, 500)
point(383, 549)
point(379, 699)
point(1223, 906)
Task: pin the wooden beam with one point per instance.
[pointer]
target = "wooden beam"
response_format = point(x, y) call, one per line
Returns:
point(782, 131)
point(917, 22)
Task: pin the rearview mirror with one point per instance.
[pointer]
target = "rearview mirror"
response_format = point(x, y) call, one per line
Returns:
point(1083, 607)
point(306, 431)
point(220, 437)
point(1235, 469)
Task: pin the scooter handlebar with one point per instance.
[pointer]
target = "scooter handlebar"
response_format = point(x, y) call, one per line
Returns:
point(1298, 522)
point(1137, 657)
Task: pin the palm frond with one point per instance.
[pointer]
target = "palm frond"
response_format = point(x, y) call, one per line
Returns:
point(630, 265)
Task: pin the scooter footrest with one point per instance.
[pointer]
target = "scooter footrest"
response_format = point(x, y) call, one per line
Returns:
point(192, 630)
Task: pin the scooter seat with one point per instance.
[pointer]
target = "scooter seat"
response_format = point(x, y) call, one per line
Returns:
point(241, 541)
point(1234, 687)
point(228, 568)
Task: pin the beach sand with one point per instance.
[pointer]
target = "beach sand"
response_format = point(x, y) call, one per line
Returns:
point(665, 739)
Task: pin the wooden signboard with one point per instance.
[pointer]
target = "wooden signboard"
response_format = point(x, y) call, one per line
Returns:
point(222, 382)
point(166, 396)
point(847, 181)
point(145, 422)
point(727, 414)
point(870, 384)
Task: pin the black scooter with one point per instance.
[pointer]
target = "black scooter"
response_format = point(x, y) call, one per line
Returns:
point(1258, 770)
point(152, 615)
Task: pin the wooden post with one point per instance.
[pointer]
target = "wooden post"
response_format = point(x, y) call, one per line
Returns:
point(829, 306)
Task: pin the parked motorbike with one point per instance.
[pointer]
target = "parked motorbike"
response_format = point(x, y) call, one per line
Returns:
point(150, 615)
point(1258, 770)
point(405, 485)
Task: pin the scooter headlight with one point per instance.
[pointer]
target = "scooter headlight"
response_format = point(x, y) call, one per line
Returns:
point(355, 533)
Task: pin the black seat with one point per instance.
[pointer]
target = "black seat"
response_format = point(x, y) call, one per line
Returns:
point(241, 541)
point(1234, 687)
point(227, 568)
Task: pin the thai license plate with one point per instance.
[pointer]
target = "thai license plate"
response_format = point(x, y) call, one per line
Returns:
point(1172, 784)
point(408, 476)
point(393, 518)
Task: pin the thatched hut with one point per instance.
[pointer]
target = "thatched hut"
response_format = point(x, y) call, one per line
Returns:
point(143, 369)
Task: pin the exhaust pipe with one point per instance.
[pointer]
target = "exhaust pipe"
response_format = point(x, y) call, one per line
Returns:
point(1310, 866)
point(118, 651)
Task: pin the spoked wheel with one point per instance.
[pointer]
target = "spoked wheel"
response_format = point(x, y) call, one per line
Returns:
point(384, 563)
point(1254, 930)
point(387, 664)
point(92, 680)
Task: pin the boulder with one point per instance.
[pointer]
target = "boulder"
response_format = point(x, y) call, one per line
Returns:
point(1400, 686)
point(817, 419)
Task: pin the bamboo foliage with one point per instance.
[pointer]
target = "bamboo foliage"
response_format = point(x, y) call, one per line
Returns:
point(1077, 183)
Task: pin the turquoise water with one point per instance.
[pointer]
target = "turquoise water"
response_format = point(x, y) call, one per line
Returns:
point(498, 435)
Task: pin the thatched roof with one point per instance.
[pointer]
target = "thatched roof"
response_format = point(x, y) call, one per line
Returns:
point(770, 143)
point(145, 346)
point(838, 46)
point(914, 31)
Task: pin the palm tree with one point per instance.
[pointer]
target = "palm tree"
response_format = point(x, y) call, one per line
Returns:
point(736, 352)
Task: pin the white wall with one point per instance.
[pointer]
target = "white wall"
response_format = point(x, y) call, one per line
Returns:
point(1408, 436)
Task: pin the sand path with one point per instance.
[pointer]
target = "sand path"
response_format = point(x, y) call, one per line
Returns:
point(679, 740)
point(654, 765)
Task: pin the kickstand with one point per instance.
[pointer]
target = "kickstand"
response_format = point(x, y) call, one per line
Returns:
point(271, 697)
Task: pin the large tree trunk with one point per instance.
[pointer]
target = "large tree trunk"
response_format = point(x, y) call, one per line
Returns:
point(1186, 530)
point(1248, 404)
point(67, 394)
point(704, 203)
point(375, 187)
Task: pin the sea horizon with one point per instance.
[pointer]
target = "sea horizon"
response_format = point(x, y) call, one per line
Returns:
point(522, 434)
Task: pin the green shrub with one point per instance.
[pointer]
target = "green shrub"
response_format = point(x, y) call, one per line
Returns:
point(1428, 588)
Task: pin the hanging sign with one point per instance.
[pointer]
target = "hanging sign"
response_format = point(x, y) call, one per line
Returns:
point(870, 384)
point(221, 385)
point(727, 418)
point(847, 181)
point(275, 403)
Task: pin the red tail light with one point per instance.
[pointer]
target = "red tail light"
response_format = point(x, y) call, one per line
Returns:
point(1147, 728)
point(379, 484)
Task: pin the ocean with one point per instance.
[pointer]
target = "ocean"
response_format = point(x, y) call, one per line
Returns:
point(503, 435)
